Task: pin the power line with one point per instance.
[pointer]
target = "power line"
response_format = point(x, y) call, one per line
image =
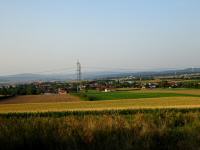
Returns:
point(110, 68)
point(79, 67)
point(54, 70)
point(46, 71)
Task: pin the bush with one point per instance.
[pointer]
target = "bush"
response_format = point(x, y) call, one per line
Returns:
point(91, 98)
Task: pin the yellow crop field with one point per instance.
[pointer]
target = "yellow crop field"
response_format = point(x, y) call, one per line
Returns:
point(45, 103)
point(172, 102)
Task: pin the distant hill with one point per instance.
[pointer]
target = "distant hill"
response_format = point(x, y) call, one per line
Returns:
point(24, 78)
point(100, 75)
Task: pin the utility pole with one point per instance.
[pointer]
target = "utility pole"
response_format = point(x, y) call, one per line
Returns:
point(78, 75)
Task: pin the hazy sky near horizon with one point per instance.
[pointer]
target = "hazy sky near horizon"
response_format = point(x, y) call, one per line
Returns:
point(39, 35)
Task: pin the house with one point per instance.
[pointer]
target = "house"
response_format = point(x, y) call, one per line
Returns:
point(107, 90)
point(173, 84)
point(62, 91)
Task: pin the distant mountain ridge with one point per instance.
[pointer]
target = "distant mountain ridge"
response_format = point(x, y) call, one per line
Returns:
point(21, 78)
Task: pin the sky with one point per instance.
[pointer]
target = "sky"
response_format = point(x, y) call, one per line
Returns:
point(40, 35)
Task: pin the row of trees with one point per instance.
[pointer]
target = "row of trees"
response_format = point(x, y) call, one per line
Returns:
point(139, 84)
point(32, 89)
point(189, 85)
point(20, 90)
point(186, 84)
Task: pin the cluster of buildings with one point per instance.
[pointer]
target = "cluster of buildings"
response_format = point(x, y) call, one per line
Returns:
point(109, 85)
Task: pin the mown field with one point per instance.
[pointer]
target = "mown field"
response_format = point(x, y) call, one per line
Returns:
point(39, 99)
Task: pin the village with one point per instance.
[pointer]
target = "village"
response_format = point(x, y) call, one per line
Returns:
point(107, 85)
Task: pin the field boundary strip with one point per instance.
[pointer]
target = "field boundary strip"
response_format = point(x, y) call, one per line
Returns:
point(97, 112)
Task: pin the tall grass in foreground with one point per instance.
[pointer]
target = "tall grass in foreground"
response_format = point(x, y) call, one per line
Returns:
point(139, 130)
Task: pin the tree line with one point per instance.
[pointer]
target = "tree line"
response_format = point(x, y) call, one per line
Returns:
point(29, 89)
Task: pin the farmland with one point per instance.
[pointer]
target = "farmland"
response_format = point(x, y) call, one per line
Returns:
point(39, 99)
point(120, 130)
point(94, 96)
point(160, 98)
point(138, 94)
point(172, 102)
point(131, 119)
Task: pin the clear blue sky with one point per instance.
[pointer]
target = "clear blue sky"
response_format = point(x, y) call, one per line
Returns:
point(37, 35)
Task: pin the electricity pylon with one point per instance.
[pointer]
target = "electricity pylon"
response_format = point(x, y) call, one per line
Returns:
point(78, 75)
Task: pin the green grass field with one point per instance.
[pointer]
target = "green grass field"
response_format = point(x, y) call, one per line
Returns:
point(138, 94)
point(132, 95)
